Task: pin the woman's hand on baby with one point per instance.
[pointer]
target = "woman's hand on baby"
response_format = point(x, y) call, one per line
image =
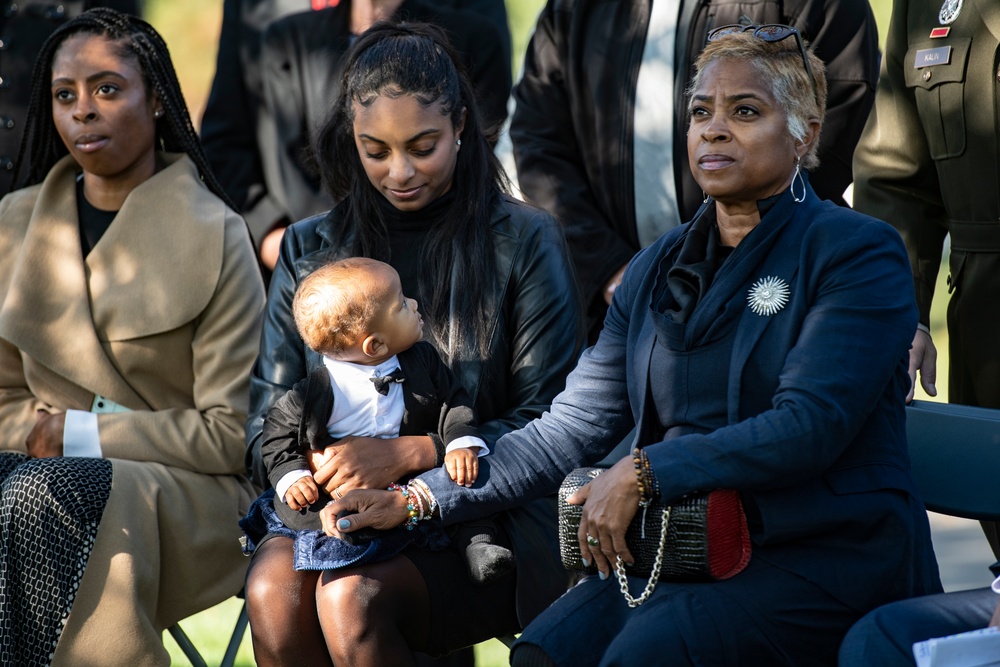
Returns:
point(357, 463)
point(364, 508)
point(462, 465)
point(609, 504)
point(46, 437)
point(352, 463)
point(303, 493)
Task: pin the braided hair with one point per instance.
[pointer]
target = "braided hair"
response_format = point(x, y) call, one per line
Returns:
point(459, 257)
point(42, 147)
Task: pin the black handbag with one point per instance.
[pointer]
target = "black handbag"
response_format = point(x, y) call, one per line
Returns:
point(702, 537)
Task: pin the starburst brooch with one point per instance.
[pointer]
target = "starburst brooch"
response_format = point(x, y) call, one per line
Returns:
point(768, 295)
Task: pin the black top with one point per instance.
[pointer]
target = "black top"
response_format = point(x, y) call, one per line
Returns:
point(408, 231)
point(93, 221)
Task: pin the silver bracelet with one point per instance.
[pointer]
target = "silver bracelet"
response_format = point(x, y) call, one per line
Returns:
point(923, 327)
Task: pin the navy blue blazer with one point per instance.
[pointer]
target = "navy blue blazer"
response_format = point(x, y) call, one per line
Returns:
point(815, 439)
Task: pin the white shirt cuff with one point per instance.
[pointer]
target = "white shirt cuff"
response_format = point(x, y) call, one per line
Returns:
point(287, 480)
point(467, 441)
point(80, 435)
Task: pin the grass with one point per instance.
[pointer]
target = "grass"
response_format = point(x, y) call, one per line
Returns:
point(191, 29)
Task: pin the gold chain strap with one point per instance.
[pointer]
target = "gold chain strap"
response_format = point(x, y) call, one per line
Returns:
point(654, 576)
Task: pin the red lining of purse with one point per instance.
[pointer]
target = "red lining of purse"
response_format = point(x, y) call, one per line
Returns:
point(728, 535)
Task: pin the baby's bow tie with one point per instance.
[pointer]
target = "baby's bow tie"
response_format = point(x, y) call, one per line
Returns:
point(382, 382)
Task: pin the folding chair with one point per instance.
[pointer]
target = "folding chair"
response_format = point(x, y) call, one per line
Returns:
point(234, 641)
point(955, 456)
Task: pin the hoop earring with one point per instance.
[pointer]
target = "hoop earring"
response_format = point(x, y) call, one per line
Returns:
point(801, 179)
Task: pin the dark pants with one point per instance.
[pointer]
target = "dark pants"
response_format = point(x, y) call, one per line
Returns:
point(885, 637)
point(764, 616)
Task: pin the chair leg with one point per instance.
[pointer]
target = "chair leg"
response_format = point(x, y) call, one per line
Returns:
point(234, 642)
point(186, 646)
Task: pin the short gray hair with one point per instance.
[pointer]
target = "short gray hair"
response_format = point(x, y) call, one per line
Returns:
point(780, 65)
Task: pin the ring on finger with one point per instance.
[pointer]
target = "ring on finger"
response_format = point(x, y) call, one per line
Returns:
point(337, 494)
point(592, 541)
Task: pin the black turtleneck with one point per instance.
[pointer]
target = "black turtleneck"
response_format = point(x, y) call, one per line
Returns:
point(408, 231)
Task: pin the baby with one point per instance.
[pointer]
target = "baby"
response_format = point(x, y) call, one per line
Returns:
point(378, 380)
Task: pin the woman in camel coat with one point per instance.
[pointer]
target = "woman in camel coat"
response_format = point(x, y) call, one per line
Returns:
point(124, 367)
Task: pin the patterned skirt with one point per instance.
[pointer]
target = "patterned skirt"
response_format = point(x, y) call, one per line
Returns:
point(50, 510)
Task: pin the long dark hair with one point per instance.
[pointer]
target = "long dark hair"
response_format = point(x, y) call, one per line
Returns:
point(42, 147)
point(459, 275)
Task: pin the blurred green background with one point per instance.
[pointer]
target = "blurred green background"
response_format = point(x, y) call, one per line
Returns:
point(191, 30)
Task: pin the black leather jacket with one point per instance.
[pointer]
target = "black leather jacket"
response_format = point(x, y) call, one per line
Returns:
point(536, 342)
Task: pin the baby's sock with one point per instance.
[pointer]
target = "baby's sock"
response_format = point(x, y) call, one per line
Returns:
point(487, 561)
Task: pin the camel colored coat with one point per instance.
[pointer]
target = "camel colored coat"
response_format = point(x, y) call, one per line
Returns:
point(163, 318)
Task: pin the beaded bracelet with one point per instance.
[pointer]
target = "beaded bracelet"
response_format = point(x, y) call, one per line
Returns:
point(417, 498)
point(418, 486)
point(413, 517)
point(652, 486)
point(637, 462)
point(649, 488)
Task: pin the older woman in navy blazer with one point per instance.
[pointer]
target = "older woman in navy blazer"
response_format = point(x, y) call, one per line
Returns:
point(761, 347)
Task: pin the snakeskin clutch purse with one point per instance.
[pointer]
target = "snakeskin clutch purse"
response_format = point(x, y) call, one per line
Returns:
point(706, 535)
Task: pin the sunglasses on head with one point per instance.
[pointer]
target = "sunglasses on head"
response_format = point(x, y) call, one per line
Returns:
point(771, 32)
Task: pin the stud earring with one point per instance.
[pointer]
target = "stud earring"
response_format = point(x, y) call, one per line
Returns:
point(157, 113)
point(458, 142)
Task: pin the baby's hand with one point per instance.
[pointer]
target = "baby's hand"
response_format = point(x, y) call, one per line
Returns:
point(303, 493)
point(462, 465)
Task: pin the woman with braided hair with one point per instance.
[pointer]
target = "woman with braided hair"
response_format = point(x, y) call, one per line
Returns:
point(130, 306)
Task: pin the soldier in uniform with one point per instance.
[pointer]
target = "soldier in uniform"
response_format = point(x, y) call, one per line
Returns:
point(24, 25)
point(929, 163)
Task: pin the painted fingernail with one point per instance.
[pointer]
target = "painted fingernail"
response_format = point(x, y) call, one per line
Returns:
point(586, 563)
point(601, 575)
point(343, 524)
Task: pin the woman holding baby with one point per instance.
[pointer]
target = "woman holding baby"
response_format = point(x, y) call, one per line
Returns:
point(404, 154)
